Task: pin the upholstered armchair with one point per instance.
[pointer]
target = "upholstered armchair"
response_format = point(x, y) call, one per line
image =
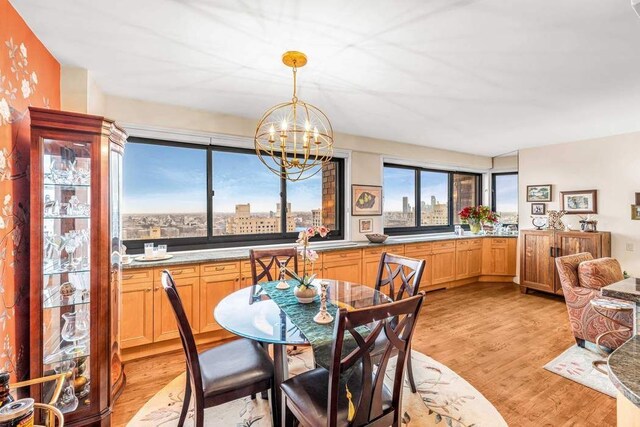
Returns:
point(582, 277)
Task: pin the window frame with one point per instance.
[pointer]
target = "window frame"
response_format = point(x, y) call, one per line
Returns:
point(213, 242)
point(493, 191)
point(430, 229)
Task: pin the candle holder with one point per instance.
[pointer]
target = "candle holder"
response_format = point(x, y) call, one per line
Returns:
point(282, 284)
point(323, 317)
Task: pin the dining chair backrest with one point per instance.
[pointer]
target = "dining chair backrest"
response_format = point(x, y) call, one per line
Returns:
point(401, 271)
point(186, 335)
point(264, 262)
point(369, 407)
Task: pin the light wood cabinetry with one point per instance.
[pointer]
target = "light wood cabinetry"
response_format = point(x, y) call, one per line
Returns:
point(137, 313)
point(148, 322)
point(342, 265)
point(444, 262)
point(539, 248)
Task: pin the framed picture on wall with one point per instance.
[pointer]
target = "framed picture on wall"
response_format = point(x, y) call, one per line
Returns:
point(365, 225)
point(538, 209)
point(366, 200)
point(580, 202)
point(635, 212)
point(539, 193)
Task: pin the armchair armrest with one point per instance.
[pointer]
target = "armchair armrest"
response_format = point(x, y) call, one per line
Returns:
point(59, 378)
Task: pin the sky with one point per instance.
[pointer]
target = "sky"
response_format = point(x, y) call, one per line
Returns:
point(506, 193)
point(163, 179)
point(401, 182)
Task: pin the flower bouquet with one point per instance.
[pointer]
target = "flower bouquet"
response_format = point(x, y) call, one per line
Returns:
point(476, 216)
point(305, 291)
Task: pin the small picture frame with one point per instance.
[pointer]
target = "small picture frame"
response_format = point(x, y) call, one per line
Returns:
point(538, 208)
point(365, 225)
point(539, 193)
point(635, 212)
point(580, 202)
point(366, 200)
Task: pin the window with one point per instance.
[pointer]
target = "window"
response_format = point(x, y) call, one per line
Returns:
point(505, 196)
point(195, 196)
point(418, 200)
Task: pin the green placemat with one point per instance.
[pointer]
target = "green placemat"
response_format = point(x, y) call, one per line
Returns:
point(320, 336)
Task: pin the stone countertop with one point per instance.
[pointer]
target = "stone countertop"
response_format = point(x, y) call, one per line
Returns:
point(627, 289)
point(624, 369)
point(233, 254)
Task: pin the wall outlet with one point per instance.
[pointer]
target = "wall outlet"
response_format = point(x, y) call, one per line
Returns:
point(630, 247)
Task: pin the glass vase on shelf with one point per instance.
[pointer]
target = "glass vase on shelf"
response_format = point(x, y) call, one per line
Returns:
point(475, 226)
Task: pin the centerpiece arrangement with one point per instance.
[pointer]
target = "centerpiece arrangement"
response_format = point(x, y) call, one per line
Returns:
point(477, 216)
point(306, 291)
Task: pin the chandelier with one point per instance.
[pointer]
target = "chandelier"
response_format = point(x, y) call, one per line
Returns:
point(294, 139)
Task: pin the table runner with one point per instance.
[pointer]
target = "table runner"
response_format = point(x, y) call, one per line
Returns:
point(320, 336)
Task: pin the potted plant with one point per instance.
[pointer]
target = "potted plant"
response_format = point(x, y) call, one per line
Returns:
point(306, 291)
point(476, 216)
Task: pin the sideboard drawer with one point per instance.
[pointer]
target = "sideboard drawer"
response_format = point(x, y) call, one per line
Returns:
point(137, 275)
point(444, 246)
point(177, 271)
point(376, 251)
point(475, 244)
point(499, 242)
point(221, 267)
point(335, 256)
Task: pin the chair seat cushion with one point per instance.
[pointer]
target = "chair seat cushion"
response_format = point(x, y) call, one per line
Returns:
point(309, 391)
point(234, 365)
point(600, 272)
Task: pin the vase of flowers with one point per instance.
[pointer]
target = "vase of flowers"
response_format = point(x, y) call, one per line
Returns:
point(306, 291)
point(477, 216)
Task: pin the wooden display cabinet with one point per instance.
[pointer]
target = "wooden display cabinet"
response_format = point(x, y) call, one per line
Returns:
point(540, 248)
point(75, 244)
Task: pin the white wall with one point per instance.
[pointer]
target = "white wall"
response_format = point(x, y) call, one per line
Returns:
point(611, 165)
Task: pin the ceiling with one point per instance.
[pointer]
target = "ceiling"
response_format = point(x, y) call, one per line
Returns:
point(478, 76)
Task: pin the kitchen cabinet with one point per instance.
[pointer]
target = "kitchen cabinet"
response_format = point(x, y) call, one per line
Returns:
point(342, 265)
point(444, 262)
point(468, 258)
point(423, 250)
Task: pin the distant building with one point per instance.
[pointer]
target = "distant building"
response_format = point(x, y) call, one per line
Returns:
point(245, 223)
point(316, 217)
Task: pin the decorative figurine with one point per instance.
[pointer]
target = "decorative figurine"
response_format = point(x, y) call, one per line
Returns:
point(555, 220)
point(323, 317)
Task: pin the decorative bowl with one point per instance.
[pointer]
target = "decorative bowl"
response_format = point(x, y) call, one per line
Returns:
point(376, 238)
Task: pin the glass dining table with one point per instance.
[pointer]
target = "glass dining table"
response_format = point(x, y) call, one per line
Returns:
point(252, 314)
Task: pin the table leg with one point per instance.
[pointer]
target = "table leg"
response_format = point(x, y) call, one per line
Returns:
point(281, 374)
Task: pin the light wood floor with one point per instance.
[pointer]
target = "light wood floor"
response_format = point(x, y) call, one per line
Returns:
point(492, 335)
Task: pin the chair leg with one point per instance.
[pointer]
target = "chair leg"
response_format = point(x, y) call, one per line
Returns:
point(412, 382)
point(198, 410)
point(289, 419)
point(185, 402)
point(580, 342)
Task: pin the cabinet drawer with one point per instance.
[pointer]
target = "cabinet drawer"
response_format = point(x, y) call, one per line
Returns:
point(463, 244)
point(475, 244)
point(178, 271)
point(221, 267)
point(445, 246)
point(499, 243)
point(245, 267)
point(375, 252)
point(418, 248)
point(137, 276)
point(329, 257)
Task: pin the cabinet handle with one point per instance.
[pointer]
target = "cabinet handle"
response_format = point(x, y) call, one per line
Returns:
point(558, 252)
point(148, 290)
point(220, 268)
point(127, 277)
point(236, 280)
point(157, 289)
point(176, 272)
point(551, 252)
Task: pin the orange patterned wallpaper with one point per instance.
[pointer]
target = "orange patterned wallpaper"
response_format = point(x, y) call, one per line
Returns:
point(29, 76)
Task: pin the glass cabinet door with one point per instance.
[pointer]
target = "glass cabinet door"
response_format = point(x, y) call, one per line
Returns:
point(115, 191)
point(66, 268)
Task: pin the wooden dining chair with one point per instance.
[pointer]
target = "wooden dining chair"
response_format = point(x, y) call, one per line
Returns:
point(264, 262)
point(399, 277)
point(224, 373)
point(322, 397)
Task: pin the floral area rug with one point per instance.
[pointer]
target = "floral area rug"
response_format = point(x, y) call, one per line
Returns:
point(576, 364)
point(444, 399)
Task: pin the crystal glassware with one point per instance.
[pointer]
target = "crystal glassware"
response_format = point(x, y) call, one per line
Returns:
point(148, 250)
point(71, 242)
point(76, 328)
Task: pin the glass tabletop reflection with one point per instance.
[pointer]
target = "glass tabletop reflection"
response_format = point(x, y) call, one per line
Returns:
point(250, 313)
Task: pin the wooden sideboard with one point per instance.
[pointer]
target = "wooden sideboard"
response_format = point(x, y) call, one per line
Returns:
point(540, 248)
point(148, 324)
